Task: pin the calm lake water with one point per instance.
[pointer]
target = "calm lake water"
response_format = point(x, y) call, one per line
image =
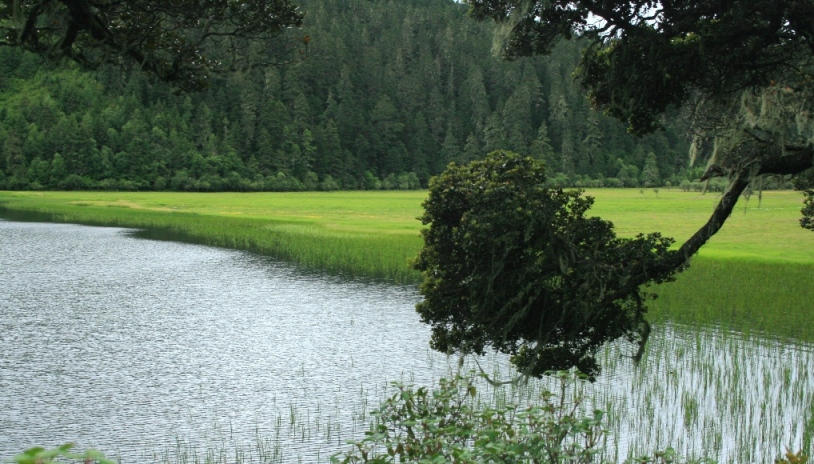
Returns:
point(149, 349)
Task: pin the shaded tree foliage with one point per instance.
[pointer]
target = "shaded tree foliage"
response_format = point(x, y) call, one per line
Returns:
point(647, 56)
point(742, 70)
point(389, 88)
point(513, 265)
point(179, 41)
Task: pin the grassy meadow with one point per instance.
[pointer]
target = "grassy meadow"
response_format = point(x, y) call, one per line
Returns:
point(352, 233)
point(753, 275)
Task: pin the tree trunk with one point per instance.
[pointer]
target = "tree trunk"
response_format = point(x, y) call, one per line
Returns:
point(721, 213)
point(793, 160)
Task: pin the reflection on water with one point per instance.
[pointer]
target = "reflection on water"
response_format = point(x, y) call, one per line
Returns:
point(128, 345)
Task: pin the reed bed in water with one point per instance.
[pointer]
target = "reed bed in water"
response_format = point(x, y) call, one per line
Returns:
point(773, 299)
point(705, 391)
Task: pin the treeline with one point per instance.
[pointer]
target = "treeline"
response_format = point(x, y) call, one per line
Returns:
point(390, 93)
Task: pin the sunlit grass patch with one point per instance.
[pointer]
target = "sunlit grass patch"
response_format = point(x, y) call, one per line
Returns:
point(351, 234)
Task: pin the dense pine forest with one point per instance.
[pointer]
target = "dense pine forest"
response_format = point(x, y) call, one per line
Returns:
point(388, 93)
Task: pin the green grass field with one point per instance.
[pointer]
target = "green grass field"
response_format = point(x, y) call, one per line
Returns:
point(353, 233)
point(753, 275)
point(767, 233)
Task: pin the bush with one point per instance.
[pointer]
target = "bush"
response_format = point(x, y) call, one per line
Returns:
point(408, 181)
point(328, 184)
point(280, 182)
point(182, 181)
point(210, 183)
point(107, 184)
point(126, 185)
point(310, 181)
point(160, 183)
point(558, 180)
point(448, 425)
point(371, 182)
point(389, 182)
point(76, 182)
point(613, 182)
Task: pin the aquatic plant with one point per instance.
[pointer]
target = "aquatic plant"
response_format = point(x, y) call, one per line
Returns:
point(39, 455)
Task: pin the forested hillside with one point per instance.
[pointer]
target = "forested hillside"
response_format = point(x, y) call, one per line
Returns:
point(389, 93)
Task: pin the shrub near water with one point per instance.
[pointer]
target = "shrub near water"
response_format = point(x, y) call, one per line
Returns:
point(447, 424)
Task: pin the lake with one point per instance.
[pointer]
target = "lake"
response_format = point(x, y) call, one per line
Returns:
point(151, 350)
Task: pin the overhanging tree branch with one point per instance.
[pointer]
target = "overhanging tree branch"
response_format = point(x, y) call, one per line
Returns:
point(179, 41)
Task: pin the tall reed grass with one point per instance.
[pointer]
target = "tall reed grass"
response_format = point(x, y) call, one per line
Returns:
point(354, 248)
point(705, 391)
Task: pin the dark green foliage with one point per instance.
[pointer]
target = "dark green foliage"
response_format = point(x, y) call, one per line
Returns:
point(807, 221)
point(650, 173)
point(392, 88)
point(805, 183)
point(448, 424)
point(179, 41)
point(742, 71)
point(513, 265)
point(647, 57)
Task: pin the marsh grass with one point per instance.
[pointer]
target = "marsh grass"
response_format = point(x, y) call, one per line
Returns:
point(768, 299)
point(351, 234)
point(753, 275)
point(706, 391)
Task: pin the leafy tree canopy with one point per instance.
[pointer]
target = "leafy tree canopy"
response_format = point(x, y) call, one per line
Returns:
point(180, 41)
point(647, 56)
point(512, 265)
point(742, 70)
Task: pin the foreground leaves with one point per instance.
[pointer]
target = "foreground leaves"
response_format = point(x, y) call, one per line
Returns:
point(41, 455)
point(449, 425)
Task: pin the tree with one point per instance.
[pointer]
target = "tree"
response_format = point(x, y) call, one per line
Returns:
point(650, 171)
point(511, 265)
point(741, 70)
point(541, 147)
point(450, 150)
point(179, 41)
point(516, 266)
